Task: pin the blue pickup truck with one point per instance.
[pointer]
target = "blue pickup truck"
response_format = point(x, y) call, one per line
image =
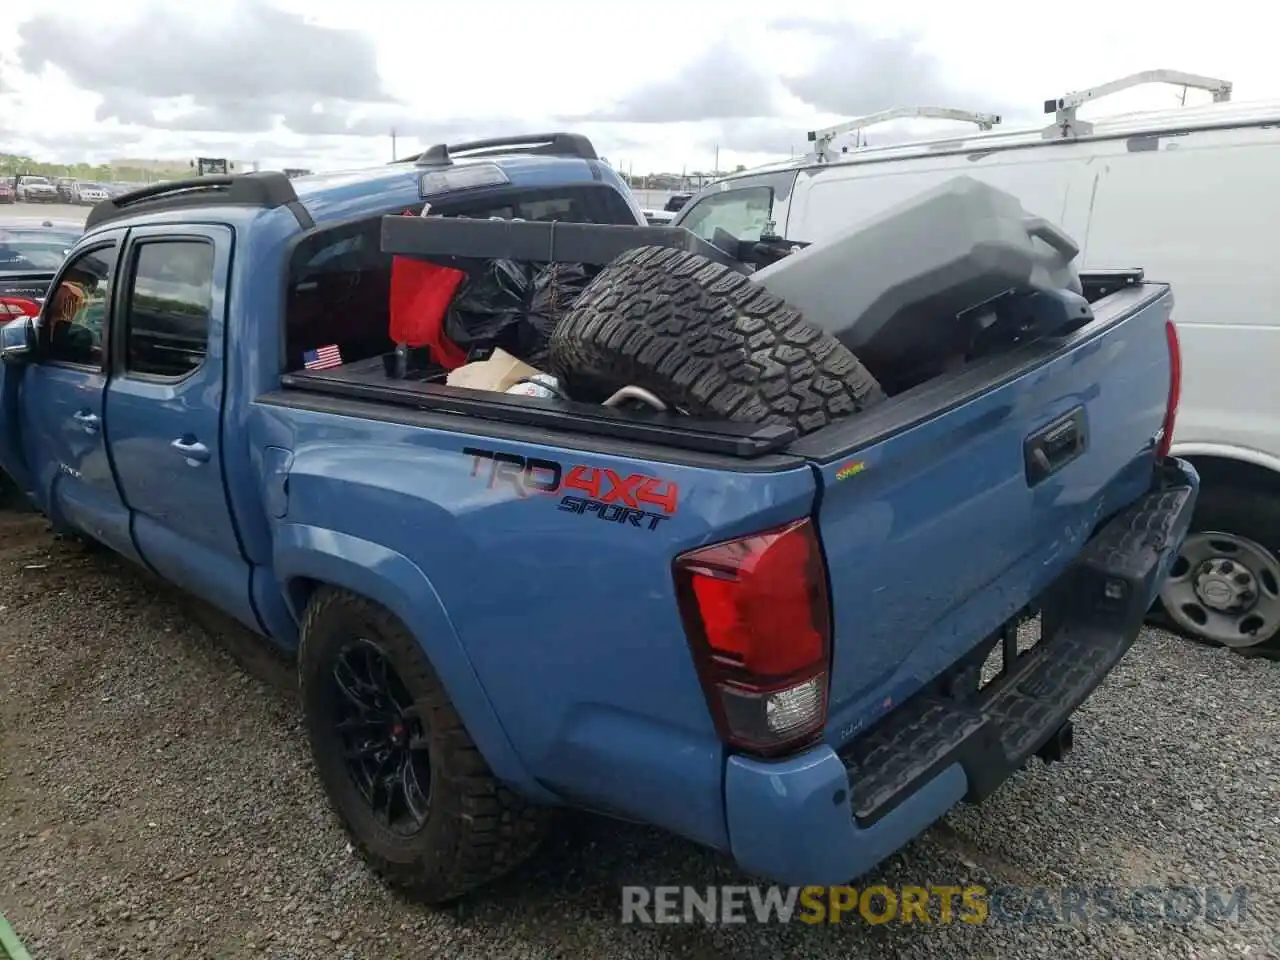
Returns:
point(771, 643)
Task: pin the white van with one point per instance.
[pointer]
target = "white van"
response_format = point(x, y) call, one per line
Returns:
point(1190, 195)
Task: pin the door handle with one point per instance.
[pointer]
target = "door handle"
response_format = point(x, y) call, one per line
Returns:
point(87, 420)
point(192, 449)
point(1049, 450)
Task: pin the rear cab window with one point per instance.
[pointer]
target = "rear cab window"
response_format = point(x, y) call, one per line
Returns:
point(339, 288)
point(581, 203)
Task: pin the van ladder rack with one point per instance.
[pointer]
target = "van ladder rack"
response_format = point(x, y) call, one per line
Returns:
point(1067, 126)
point(821, 139)
point(535, 144)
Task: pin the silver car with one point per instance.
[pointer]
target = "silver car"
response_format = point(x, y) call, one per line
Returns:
point(89, 193)
point(36, 190)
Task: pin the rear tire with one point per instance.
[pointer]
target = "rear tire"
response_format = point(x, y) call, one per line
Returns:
point(1224, 588)
point(439, 825)
point(708, 341)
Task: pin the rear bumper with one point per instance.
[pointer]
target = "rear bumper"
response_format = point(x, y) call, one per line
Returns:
point(825, 817)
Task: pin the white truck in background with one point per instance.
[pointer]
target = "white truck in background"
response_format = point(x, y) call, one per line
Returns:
point(1189, 194)
point(212, 166)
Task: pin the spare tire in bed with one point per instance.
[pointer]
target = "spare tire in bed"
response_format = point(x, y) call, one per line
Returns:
point(707, 341)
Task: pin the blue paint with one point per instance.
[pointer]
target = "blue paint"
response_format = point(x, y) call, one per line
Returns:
point(557, 636)
point(812, 838)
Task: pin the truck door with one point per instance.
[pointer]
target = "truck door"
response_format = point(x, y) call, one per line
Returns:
point(164, 406)
point(60, 414)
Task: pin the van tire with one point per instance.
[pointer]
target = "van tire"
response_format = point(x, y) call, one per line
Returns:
point(1249, 519)
point(475, 829)
point(708, 341)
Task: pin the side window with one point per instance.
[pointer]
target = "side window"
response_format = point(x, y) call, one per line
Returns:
point(170, 302)
point(74, 323)
point(742, 213)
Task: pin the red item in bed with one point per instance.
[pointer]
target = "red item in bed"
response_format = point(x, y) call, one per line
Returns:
point(420, 295)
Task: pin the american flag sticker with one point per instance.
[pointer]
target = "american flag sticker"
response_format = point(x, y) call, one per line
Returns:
point(323, 359)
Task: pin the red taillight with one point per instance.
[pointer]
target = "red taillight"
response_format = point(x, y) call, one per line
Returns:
point(1175, 389)
point(11, 307)
point(758, 619)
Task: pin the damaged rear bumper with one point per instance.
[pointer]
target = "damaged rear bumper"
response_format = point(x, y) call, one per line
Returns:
point(825, 817)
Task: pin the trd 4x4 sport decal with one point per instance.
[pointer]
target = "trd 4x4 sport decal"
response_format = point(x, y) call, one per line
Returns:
point(635, 499)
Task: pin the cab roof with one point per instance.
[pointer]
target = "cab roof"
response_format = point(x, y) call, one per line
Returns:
point(535, 160)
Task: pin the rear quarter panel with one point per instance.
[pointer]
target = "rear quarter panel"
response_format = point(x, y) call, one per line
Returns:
point(566, 620)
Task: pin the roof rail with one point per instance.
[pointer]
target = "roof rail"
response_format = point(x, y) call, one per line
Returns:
point(1066, 125)
point(537, 144)
point(267, 189)
point(821, 139)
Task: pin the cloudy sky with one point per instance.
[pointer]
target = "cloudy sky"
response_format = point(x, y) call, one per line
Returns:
point(658, 85)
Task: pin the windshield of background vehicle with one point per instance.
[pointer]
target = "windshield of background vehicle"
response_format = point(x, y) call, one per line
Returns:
point(27, 250)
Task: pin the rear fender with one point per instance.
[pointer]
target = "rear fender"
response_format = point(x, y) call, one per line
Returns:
point(305, 552)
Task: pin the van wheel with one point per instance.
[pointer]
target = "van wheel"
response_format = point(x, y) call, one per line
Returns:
point(1224, 587)
point(399, 768)
point(708, 341)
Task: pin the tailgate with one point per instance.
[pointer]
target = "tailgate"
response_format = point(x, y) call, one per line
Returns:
point(939, 526)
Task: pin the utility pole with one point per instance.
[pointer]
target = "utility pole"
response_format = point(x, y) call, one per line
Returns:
point(715, 170)
point(393, 143)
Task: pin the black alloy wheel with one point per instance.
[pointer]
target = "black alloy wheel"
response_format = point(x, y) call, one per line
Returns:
point(385, 748)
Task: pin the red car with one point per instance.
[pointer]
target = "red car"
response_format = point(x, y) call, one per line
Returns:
point(7, 192)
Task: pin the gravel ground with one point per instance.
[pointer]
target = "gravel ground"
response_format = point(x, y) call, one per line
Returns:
point(157, 800)
point(41, 211)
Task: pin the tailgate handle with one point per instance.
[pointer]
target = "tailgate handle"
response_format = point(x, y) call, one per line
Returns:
point(1050, 449)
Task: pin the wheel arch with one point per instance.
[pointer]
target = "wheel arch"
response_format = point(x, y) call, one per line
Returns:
point(1220, 464)
point(307, 558)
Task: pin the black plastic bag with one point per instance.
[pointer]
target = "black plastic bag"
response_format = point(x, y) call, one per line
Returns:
point(556, 288)
point(490, 307)
point(514, 306)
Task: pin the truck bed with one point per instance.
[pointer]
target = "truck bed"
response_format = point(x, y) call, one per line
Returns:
point(1114, 295)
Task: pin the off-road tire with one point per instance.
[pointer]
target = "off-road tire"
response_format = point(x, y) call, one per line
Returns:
point(477, 830)
point(708, 341)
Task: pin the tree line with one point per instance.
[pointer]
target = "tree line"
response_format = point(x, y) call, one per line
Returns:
point(12, 164)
